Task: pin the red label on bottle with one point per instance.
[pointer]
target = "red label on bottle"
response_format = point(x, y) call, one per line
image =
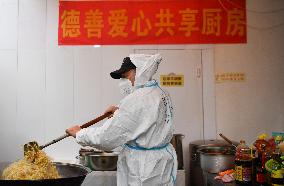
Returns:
point(260, 178)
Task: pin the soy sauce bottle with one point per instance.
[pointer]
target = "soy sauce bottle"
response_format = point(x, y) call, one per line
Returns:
point(243, 164)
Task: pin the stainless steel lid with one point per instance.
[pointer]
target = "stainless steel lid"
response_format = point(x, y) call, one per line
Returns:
point(212, 142)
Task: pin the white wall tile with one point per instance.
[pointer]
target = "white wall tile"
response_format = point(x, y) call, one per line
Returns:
point(52, 23)
point(87, 84)
point(31, 94)
point(59, 100)
point(8, 24)
point(32, 24)
point(9, 138)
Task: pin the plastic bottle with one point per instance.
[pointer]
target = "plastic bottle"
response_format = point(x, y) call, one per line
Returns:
point(243, 164)
point(277, 172)
point(260, 171)
point(264, 150)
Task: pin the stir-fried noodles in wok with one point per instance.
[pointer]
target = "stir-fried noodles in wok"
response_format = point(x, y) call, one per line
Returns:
point(35, 165)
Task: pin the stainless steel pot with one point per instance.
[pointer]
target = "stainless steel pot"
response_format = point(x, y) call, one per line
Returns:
point(196, 173)
point(82, 155)
point(215, 159)
point(101, 161)
point(71, 174)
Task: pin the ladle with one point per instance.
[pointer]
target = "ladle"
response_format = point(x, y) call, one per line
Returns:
point(227, 140)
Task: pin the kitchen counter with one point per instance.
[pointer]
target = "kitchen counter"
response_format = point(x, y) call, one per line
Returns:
point(212, 182)
point(108, 178)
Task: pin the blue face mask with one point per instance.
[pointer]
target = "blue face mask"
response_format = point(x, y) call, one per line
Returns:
point(125, 86)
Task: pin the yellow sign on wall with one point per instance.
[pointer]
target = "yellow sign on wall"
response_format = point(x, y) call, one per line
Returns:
point(172, 80)
point(230, 77)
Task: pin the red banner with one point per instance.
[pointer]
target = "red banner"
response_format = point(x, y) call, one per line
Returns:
point(152, 22)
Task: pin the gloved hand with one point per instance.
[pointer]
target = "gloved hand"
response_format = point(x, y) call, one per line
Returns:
point(111, 109)
point(73, 130)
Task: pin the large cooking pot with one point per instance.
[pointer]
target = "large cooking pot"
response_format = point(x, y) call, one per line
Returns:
point(71, 174)
point(215, 159)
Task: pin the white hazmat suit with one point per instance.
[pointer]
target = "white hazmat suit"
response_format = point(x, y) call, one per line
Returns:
point(143, 127)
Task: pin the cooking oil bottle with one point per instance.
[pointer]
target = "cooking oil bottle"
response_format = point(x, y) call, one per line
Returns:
point(243, 164)
point(261, 171)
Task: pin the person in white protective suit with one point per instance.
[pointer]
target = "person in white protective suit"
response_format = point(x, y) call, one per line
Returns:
point(142, 124)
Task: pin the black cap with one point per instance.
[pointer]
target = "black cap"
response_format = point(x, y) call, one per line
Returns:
point(126, 66)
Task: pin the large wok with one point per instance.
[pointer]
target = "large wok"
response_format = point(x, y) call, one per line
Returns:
point(71, 175)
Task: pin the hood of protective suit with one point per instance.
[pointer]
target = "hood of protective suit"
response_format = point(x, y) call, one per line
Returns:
point(146, 66)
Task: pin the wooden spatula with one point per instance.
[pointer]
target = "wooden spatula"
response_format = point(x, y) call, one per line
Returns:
point(33, 145)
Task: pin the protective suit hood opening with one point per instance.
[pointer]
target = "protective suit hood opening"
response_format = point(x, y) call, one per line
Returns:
point(146, 66)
